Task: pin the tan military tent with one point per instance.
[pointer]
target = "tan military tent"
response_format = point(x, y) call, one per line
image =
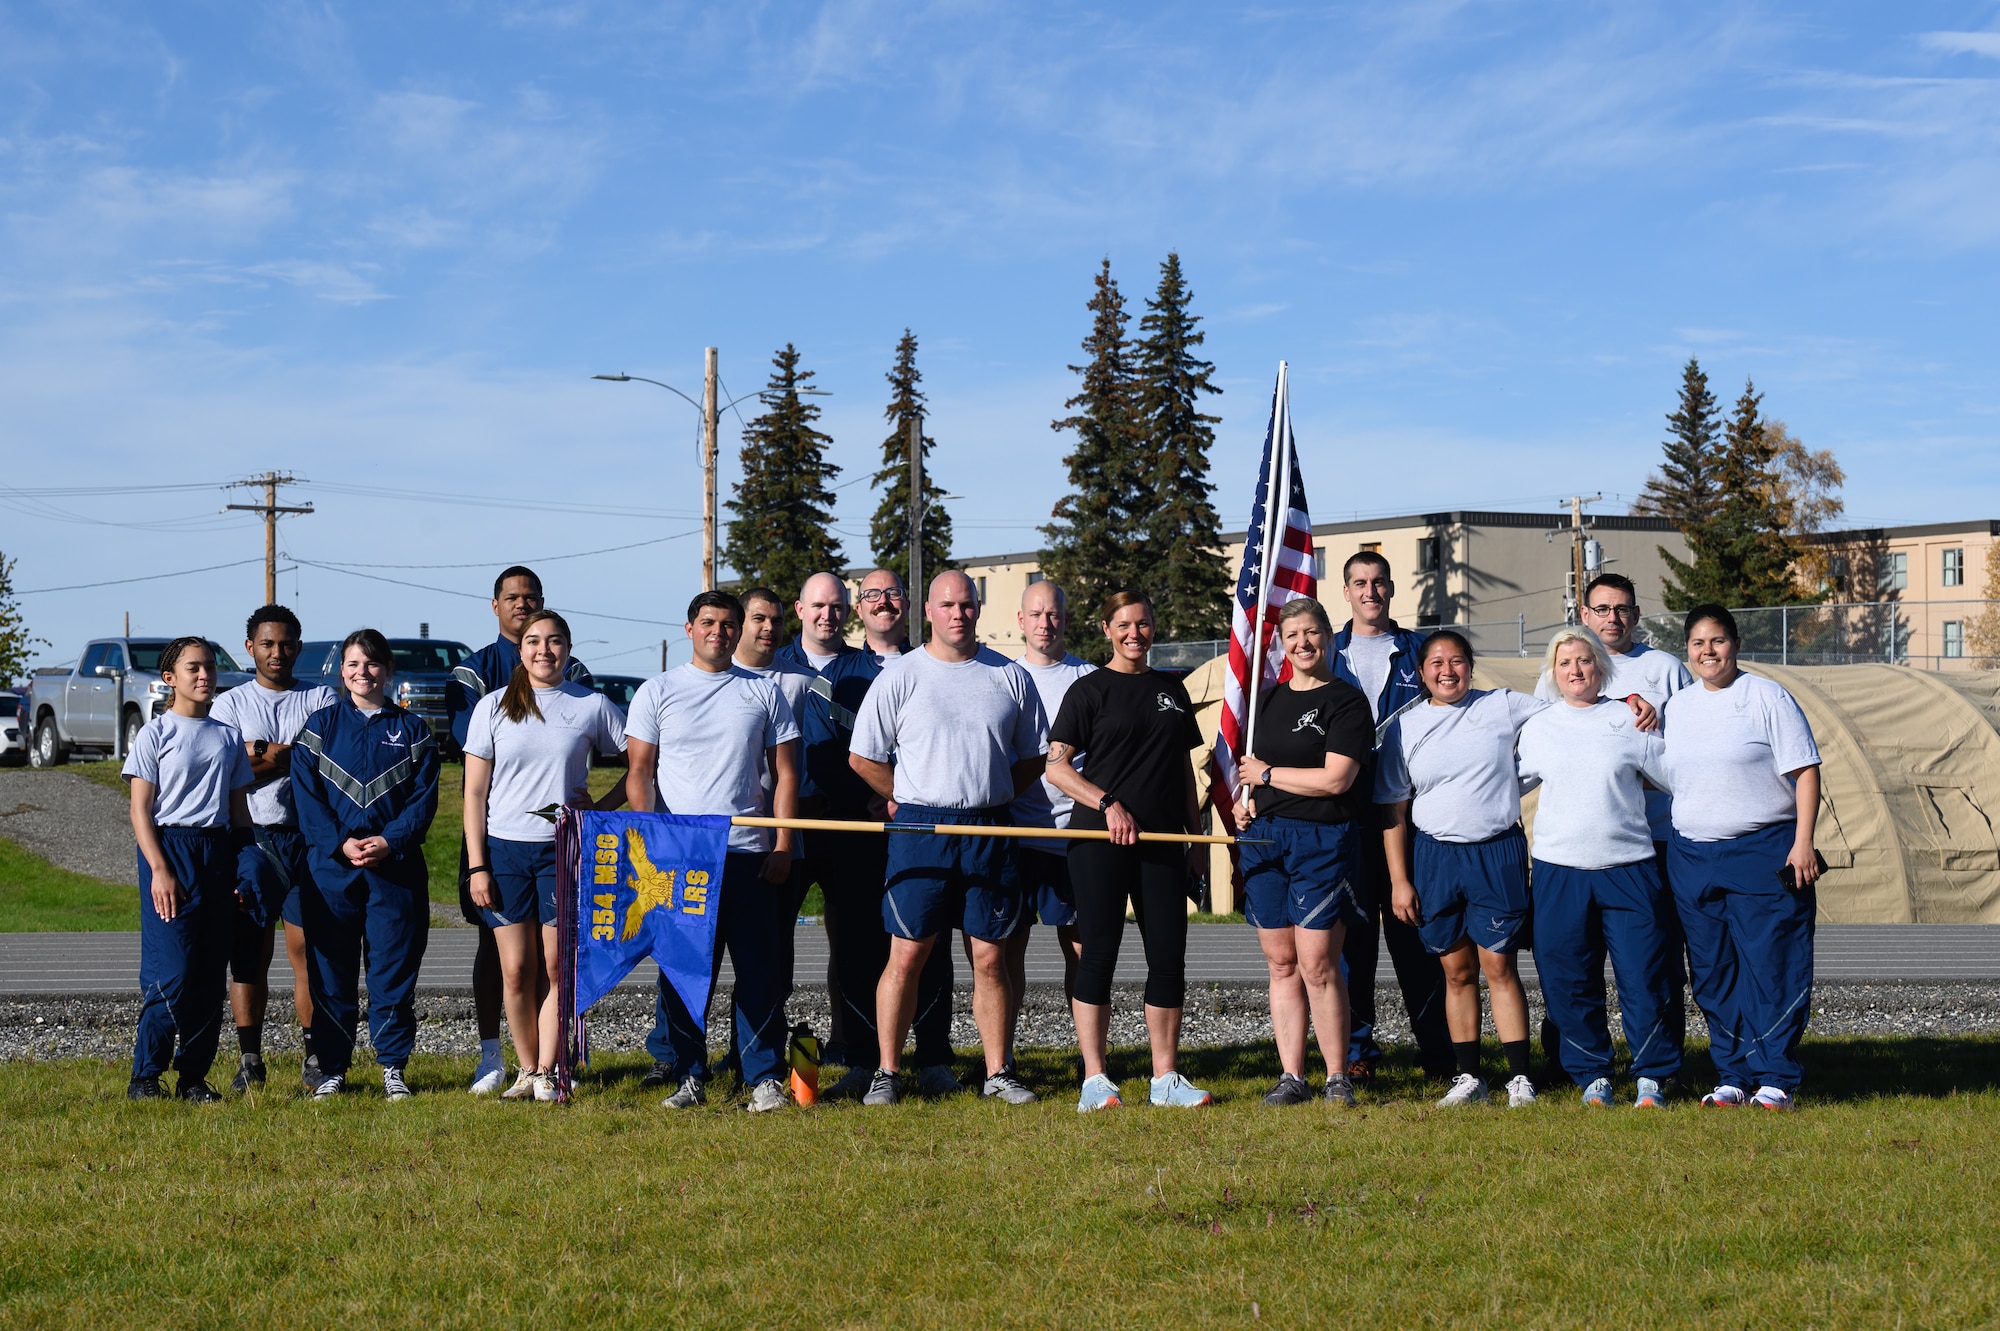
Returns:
point(1911, 777)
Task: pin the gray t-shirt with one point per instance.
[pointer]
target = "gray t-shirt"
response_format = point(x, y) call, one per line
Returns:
point(1589, 762)
point(193, 763)
point(793, 682)
point(712, 729)
point(816, 661)
point(1368, 657)
point(954, 729)
point(1729, 752)
point(1455, 764)
point(275, 716)
point(1655, 676)
point(539, 763)
point(1042, 805)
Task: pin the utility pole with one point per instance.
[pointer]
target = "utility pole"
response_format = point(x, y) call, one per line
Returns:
point(916, 588)
point(709, 377)
point(270, 508)
point(1585, 557)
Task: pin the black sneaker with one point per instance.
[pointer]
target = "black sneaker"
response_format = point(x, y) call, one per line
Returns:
point(1290, 1090)
point(312, 1076)
point(144, 1088)
point(661, 1075)
point(250, 1072)
point(199, 1092)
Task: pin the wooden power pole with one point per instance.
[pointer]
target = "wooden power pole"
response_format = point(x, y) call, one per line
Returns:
point(709, 376)
point(270, 508)
point(1581, 566)
point(915, 613)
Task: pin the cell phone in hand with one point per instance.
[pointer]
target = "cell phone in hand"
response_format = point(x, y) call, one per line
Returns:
point(1790, 876)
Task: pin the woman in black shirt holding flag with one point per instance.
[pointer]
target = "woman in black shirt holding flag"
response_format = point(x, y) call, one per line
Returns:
point(1134, 728)
point(1304, 814)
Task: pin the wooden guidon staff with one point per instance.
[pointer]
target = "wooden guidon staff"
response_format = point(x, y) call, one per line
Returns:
point(976, 829)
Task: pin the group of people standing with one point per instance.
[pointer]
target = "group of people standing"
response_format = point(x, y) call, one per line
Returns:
point(1380, 799)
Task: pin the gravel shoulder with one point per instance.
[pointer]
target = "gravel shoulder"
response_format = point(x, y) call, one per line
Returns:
point(70, 821)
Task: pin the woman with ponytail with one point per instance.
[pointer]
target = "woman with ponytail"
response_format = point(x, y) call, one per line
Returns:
point(526, 748)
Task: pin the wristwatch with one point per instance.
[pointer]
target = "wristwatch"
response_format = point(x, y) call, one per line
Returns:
point(1265, 780)
point(260, 747)
point(1105, 803)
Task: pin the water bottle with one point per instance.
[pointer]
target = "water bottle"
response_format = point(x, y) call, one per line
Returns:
point(803, 1054)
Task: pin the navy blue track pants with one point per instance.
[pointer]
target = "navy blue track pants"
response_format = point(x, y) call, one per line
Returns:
point(390, 908)
point(183, 962)
point(1581, 915)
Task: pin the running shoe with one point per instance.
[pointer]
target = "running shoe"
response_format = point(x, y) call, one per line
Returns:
point(1290, 1090)
point(393, 1084)
point(1361, 1069)
point(693, 1092)
point(1099, 1092)
point(1004, 1085)
point(1520, 1093)
point(882, 1088)
point(331, 1084)
point(1649, 1095)
point(1597, 1095)
point(661, 1075)
point(523, 1087)
point(1466, 1089)
point(144, 1088)
point(1770, 1097)
point(249, 1072)
point(1723, 1097)
point(545, 1087)
point(311, 1077)
point(199, 1092)
point(1173, 1091)
point(1340, 1091)
point(490, 1075)
point(853, 1084)
point(767, 1095)
point(938, 1079)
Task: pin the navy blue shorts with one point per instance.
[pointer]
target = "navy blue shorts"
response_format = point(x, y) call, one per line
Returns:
point(1045, 878)
point(524, 879)
point(952, 882)
point(1476, 890)
point(1304, 877)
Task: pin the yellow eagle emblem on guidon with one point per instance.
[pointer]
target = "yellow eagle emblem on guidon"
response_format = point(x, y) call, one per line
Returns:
point(652, 887)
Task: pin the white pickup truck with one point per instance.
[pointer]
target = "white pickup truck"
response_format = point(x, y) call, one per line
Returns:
point(114, 688)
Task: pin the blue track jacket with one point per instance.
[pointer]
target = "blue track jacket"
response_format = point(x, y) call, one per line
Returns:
point(362, 776)
point(484, 671)
point(1405, 686)
point(827, 729)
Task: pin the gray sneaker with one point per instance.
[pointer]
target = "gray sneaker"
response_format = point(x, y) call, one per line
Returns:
point(938, 1079)
point(394, 1086)
point(1004, 1085)
point(852, 1085)
point(767, 1095)
point(881, 1088)
point(1340, 1090)
point(1290, 1090)
point(692, 1093)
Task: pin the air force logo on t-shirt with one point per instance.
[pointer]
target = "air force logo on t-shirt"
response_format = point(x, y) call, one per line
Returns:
point(1168, 703)
point(1310, 721)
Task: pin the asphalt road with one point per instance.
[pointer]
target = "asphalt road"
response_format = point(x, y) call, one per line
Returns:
point(105, 963)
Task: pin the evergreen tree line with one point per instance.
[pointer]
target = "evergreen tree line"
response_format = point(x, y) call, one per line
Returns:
point(1748, 496)
point(1138, 513)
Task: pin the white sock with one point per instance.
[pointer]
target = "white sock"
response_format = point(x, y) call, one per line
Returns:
point(489, 1050)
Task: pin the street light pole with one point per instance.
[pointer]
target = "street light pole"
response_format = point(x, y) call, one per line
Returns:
point(709, 377)
point(916, 565)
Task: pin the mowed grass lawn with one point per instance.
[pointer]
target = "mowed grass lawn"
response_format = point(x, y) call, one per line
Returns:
point(1865, 1209)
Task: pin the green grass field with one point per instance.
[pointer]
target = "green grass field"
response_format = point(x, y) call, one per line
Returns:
point(1862, 1210)
point(37, 897)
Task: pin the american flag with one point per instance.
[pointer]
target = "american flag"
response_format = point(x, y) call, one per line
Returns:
point(1287, 574)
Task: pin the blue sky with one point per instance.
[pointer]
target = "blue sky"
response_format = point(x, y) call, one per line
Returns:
point(386, 246)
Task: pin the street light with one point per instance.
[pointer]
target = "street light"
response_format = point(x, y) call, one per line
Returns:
point(709, 414)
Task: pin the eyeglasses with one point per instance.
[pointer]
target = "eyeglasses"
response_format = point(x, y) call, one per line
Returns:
point(1607, 611)
point(875, 595)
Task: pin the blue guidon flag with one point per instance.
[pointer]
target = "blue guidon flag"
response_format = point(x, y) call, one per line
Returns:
point(642, 885)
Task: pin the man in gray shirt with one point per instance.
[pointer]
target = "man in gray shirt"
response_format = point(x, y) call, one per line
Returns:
point(949, 735)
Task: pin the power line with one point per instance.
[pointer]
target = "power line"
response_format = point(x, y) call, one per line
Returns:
point(150, 577)
point(470, 596)
point(501, 501)
point(531, 559)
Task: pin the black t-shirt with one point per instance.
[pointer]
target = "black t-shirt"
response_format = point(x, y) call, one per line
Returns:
point(1298, 728)
point(1134, 732)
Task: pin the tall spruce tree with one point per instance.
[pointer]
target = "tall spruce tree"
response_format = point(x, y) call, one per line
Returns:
point(1683, 489)
point(783, 531)
point(17, 644)
point(1181, 549)
point(1742, 552)
point(1093, 543)
point(889, 533)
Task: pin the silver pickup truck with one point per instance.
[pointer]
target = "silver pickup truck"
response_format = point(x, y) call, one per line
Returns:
point(114, 688)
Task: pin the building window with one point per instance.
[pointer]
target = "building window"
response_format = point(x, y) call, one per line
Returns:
point(1894, 572)
point(1319, 563)
point(1954, 568)
point(1430, 554)
point(980, 584)
point(1372, 547)
point(1954, 638)
point(1034, 578)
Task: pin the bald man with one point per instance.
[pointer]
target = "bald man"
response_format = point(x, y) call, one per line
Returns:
point(951, 734)
point(851, 867)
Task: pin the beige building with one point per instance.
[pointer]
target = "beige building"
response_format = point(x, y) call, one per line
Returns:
point(1935, 573)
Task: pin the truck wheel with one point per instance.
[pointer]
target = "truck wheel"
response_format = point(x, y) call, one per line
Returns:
point(48, 748)
point(133, 725)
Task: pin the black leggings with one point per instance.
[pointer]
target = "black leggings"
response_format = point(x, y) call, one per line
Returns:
point(1153, 877)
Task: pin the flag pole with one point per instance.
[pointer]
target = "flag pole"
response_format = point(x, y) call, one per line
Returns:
point(1280, 427)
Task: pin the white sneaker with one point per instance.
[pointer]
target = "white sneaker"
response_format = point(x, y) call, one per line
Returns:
point(522, 1089)
point(1465, 1090)
point(329, 1088)
point(1723, 1097)
point(1770, 1097)
point(768, 1094)
point(1004, 1085)
point(489, 1075)
point(1520, 1093)
point(394, 1086)
point(545, 1087)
